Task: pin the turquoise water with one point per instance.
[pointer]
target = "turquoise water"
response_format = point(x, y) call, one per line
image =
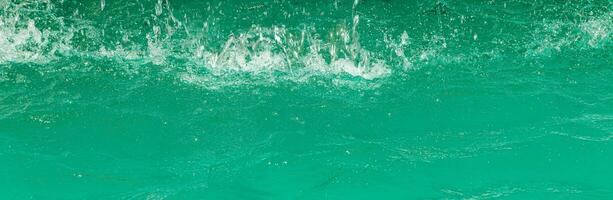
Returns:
point(288, 99)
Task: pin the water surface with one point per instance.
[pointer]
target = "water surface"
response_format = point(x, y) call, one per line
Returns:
point(288, 99)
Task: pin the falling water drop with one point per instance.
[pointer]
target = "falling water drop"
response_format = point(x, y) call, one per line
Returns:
point(102, 3)
point(158, 8)
point(404, 39)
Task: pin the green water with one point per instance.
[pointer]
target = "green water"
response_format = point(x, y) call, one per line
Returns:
point(289, 99)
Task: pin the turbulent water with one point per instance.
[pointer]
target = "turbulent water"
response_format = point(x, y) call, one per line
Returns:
point(295, 99)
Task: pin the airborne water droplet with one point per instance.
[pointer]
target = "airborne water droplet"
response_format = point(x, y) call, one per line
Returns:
point(404, 39)
point(158, 8)
point(102, 3)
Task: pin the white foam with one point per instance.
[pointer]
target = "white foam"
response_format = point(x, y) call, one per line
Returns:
point(20, 44)
point(270, 53)
point(270, 50)
point(598, 29)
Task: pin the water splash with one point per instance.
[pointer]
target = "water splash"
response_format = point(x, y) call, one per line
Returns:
point(344, 51)
point(558, 35)
point(598, 29)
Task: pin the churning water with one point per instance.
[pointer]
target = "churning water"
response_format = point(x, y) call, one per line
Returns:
point(296, 99)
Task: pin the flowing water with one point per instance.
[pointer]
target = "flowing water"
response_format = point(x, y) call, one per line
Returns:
point(295, 99)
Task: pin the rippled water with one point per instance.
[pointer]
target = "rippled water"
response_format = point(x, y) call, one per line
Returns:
point(288, 99)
